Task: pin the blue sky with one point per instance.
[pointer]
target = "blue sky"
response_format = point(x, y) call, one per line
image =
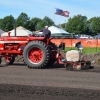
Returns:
point(42, 8)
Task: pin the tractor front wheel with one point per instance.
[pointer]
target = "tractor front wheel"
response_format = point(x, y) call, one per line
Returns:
point(7, 60)
point(12, 60)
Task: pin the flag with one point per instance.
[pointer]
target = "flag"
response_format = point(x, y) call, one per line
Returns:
point(61, 12)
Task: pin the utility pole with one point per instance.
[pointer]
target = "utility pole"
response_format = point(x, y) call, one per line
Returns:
point(15, 26)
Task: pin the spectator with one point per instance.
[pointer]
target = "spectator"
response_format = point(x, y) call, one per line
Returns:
point(79, 46)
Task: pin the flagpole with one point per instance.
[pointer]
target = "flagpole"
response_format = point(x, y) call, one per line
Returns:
point(54, 16)
point(65, 24)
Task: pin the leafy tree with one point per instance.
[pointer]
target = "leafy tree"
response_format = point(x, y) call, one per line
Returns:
point(0, 23)
point(48, 21)
point(33, 23)
point(7, 23)
point(63, 25)
point(23, 20)
point(77, 25)
point(94, 25)
point(40, 25)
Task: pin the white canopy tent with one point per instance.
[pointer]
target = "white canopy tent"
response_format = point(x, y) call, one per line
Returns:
point(1, 31)
point(55, 30)
point(58, 32)
point(20, 31)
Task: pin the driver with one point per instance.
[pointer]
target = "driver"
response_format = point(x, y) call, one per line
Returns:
point(45, 32)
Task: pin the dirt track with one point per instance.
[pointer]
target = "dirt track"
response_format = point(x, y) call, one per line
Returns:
point(17, 82)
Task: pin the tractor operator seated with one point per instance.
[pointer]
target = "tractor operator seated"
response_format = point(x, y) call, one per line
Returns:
point(45, 32)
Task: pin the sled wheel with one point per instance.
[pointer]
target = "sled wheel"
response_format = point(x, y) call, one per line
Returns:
point(88, 65)
point(36, 54)
point(69, 67)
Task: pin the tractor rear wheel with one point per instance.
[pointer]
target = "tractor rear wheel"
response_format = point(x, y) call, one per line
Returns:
point(36, 54)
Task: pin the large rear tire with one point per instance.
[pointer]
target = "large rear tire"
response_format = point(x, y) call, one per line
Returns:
point(36, 54)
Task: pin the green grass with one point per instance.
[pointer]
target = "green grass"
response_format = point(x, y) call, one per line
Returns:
point(85, 50)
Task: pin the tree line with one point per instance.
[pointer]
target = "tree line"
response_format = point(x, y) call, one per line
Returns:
point(78, 24)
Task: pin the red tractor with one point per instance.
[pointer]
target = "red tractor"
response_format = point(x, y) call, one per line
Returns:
point(37, 52)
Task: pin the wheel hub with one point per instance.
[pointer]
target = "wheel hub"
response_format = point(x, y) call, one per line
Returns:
point(8, 59)
point(35, 55)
